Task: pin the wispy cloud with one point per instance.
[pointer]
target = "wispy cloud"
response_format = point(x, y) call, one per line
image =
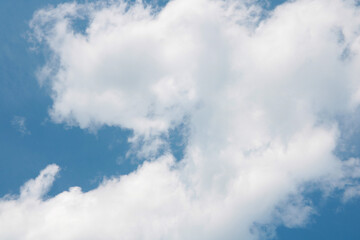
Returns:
point(19, 124)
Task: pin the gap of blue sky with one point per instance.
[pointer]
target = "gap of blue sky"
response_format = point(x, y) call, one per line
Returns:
point(85, 157)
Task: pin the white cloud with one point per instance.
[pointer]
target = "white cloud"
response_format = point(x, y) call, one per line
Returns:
point(36, 188)
point(261, 97)
point(20, 124)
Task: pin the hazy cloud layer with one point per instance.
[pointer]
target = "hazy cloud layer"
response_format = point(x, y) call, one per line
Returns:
point(260, 93)
point(19, 123)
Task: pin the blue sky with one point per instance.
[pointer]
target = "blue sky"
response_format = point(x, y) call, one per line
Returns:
point(48, 142)
point(87, 157)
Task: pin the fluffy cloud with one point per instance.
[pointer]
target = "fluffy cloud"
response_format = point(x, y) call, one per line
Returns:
point(260, 93)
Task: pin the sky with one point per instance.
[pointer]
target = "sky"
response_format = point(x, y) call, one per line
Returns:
point(200, 119)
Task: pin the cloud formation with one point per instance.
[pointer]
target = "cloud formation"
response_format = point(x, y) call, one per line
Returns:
point(260, 93)
point(19, 123)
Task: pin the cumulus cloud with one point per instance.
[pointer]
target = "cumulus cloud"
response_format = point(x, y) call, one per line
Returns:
point(260, 93)
point(20, 124)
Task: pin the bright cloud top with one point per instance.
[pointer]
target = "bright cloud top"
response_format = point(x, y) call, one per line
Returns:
point(260, 93)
